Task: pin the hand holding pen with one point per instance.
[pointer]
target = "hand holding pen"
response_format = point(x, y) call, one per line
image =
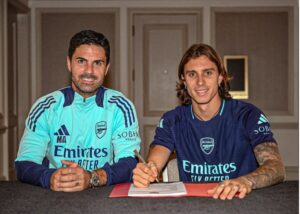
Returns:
point(144, 173)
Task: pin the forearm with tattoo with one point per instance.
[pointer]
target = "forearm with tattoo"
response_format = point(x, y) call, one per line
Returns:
point(271, 169)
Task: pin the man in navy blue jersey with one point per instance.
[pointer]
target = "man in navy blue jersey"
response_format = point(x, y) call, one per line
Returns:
point(216, 138)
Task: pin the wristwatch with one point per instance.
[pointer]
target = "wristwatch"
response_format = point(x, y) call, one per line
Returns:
point(95, 180)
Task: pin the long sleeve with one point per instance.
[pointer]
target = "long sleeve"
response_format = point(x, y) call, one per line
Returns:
point(120, 172)
point(32, 173)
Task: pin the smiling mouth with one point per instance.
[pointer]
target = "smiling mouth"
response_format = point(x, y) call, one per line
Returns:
point(88, 79)
point(201, 92)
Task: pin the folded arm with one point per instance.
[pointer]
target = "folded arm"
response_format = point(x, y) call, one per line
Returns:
point(270, 171)
point(74, 178)
point(33, 173)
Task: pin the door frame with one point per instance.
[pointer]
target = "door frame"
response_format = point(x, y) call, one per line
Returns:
point(131, 31)
point(148, 123)
point(20, 61)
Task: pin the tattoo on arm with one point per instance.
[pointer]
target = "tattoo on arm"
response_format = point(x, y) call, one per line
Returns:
point(271, 169)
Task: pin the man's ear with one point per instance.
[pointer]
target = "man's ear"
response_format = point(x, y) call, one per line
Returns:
point(69, 63)
point(107, 68)
point(220, 80)
point(183, 80)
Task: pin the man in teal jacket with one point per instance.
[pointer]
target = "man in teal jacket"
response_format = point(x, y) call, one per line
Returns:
point(83, 135)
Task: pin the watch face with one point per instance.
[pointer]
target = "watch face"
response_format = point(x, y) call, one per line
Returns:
point(95, 180)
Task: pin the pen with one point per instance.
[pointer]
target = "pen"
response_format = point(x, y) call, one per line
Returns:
point(137, 154)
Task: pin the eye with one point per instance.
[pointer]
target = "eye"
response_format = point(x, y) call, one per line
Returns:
point(191, 74)
point(80, 61)
point(98, 62)
point(208, 72)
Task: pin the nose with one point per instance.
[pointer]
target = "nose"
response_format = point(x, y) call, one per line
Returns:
point(200, 79)
point(89, 68)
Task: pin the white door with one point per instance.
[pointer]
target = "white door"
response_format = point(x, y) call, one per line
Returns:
point(9, 88)
point(159, 41)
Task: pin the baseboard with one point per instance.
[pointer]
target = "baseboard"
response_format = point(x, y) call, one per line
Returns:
point(292, 173)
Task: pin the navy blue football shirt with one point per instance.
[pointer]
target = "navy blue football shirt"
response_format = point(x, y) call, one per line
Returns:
point(218, 149)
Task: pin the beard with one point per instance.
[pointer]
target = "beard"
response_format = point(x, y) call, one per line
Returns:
point(84, 88)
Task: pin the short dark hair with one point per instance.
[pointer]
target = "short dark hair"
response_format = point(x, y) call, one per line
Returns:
point(196, 51)
point(89, 37)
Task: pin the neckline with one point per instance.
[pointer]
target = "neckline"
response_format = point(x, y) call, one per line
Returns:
point(218, 112)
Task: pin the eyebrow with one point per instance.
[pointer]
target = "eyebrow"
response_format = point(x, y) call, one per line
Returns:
point(188, 71)
point(206, 69)
point(97, 60)
point(81, 58)
point(209, 69)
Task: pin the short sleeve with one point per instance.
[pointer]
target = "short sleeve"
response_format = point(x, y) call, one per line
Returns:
point(164, 134)
point(258, 127)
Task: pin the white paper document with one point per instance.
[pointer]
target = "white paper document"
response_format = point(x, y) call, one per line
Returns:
point(158, 189)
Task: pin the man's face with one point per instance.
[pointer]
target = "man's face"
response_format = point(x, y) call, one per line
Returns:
point(202, 79)
point(88, 68)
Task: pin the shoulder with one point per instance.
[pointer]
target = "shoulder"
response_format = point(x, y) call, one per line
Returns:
point(117, 104)
point(43, 107)
point(49, 101)
point(245, 111)
point(114, 98)
point(176, 115)
point(110, 93)
point(242, 107)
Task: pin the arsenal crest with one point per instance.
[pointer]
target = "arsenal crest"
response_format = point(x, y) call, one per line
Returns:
point(100, 129)
point(207, 145)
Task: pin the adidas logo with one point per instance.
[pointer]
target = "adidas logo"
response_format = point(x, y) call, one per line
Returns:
point(161, 124)
point(61, 134)
point(262, 119)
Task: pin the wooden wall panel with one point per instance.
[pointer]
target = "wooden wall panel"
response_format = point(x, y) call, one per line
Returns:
point(57, 30)
point(264, 38)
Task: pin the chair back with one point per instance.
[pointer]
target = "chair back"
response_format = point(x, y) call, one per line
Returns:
point(170, 173)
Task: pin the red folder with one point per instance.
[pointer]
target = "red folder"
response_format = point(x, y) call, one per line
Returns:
point(193, 189)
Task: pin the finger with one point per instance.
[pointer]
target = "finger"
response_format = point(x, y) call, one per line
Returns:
point(55, 188)
point(233, 192)
point(153, 169)
point(219, 189)
point(150, 175)
point(212, 191)
point(68, 170)
point(227, 189)
point(142, 175)
point(68, 184)
point(242, 192)
point(139, 184)
point(140, 171)
point(54, 180)
point(55, 185)
point(145, 172)
point(77, 187)
point(69, 163)
point(68, 177)
point(144, 182)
